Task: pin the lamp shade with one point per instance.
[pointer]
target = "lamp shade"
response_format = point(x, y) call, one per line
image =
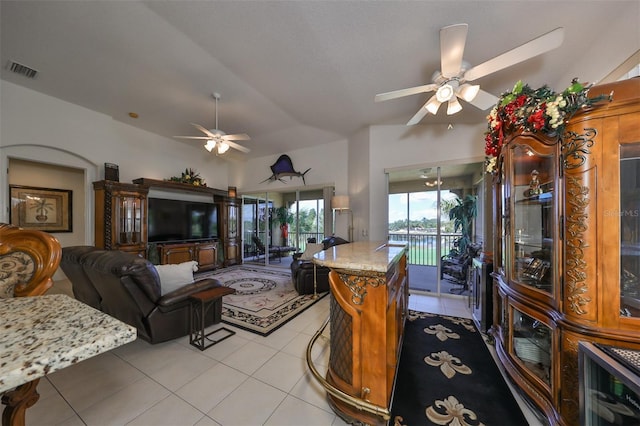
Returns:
point(340, 202)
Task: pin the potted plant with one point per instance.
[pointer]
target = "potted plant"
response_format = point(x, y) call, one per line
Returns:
point(285, 218)
point(462, 214)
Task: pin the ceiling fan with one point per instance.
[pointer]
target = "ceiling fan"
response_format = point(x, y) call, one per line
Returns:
point(452, 81)
point(217, 138)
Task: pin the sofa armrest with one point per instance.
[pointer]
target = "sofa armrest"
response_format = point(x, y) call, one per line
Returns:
point(185, 292)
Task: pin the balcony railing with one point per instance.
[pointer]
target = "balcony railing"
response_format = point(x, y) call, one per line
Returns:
point(304, 236)
point(250, 250)
point(422, 247)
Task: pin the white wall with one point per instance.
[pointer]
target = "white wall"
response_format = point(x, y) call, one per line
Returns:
point(41, 128)
point(359, 184)
point(397, 147)
point(329, 168)
point(37, 127)
point(328, 165)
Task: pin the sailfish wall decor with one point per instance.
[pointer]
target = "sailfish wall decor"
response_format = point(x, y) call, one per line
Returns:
point(282, 168)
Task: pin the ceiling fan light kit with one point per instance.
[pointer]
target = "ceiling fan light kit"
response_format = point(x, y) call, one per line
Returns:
point(445, 92)
point(217, 139)
point(433, 105)
point(451, 82)
point(454, 106)
point(222, 147)
point(468, 92)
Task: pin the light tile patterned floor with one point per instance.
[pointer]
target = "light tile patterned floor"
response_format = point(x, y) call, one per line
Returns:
point(244, 380)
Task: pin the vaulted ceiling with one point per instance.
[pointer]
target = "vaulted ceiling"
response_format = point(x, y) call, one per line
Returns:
point(292, 74)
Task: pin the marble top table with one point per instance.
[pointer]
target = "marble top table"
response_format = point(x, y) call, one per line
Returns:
point(43, 334)
point(374, 256)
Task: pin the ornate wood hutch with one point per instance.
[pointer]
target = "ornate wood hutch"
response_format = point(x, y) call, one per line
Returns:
point(230, 225)
point(121, 216)
point(567, 263)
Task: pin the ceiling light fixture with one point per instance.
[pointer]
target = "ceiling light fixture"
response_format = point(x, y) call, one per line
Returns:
point(433, 104)
point(454, 106)
point(468, 92)
point(444, 93)
point(433, 183)
point(210, 145)
point(222, 147)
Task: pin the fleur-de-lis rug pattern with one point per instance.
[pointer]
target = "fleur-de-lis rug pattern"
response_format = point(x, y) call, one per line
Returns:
point(448, 377)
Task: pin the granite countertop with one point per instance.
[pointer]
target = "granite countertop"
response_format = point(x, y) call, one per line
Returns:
point(43, 334)
point(374, 256)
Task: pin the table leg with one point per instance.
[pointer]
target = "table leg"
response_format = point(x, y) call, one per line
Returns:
point(17, 401)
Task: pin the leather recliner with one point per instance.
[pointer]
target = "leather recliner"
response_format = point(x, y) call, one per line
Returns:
point(127, 287)
point(302, 272)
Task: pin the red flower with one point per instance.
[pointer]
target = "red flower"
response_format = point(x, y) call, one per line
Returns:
point(537, 118)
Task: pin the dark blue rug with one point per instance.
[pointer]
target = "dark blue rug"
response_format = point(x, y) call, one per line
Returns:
point(447, 376)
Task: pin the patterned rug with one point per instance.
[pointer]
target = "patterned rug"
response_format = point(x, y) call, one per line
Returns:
point(265, 298)
point(447, 376)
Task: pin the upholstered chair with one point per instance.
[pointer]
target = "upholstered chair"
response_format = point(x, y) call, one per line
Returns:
point(28, 260)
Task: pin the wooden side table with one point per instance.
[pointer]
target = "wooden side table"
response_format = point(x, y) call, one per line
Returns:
point(201, 303)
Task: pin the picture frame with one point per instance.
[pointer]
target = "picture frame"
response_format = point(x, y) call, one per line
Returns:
point(43, 209)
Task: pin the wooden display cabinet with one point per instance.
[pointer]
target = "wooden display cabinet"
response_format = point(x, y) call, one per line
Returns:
point(121, 216)
point(205, 253)
point(231, 241)
point(567, 265)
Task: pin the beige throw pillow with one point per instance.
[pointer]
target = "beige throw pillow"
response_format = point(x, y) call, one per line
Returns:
point(172, 277)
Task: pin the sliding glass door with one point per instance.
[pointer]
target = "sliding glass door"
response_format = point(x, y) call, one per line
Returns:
point(256, 224)
point(278, 224)
point(419, 205)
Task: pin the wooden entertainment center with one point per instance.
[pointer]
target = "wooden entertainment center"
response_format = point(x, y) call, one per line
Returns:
point(121, 214)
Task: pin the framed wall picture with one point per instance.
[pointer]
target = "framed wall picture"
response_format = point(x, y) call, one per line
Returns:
point(44, 209)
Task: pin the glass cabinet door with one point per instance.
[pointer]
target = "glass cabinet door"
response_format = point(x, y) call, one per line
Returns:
point(630, 230)
point(129, 219)
point(233, 220)
point(532, 218)
point(532, 345)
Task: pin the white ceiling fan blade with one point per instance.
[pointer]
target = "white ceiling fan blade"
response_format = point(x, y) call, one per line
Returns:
point(419, 115)
point(484, 100)
point(535, 47)
point(238, 147)
point(203, 130)
point(452, 41)
point(193, 137)
point(405, 92)
point(238, 137)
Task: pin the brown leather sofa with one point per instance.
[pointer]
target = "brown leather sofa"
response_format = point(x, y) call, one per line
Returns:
point(127, 287)
point(302, 270)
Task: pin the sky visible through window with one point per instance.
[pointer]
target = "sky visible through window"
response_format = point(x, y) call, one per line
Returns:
point(423, 205)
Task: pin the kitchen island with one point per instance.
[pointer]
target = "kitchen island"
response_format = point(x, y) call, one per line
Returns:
point(368, 307)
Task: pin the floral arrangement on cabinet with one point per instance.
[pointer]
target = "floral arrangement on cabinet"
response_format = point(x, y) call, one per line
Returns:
point(189, 176)
point(533, 110)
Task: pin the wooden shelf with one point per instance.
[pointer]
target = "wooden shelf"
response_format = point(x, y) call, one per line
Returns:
point(179, 186)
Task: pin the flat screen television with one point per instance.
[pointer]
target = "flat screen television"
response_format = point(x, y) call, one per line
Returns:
point(178, 220)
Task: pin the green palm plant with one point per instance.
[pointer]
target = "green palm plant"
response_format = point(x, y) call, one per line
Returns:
point(462, 214)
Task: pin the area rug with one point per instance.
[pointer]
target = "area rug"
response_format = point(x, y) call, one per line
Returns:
point(447, 376)
point(265, 298)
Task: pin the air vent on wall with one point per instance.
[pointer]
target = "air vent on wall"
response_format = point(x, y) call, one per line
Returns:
point(22, 69)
